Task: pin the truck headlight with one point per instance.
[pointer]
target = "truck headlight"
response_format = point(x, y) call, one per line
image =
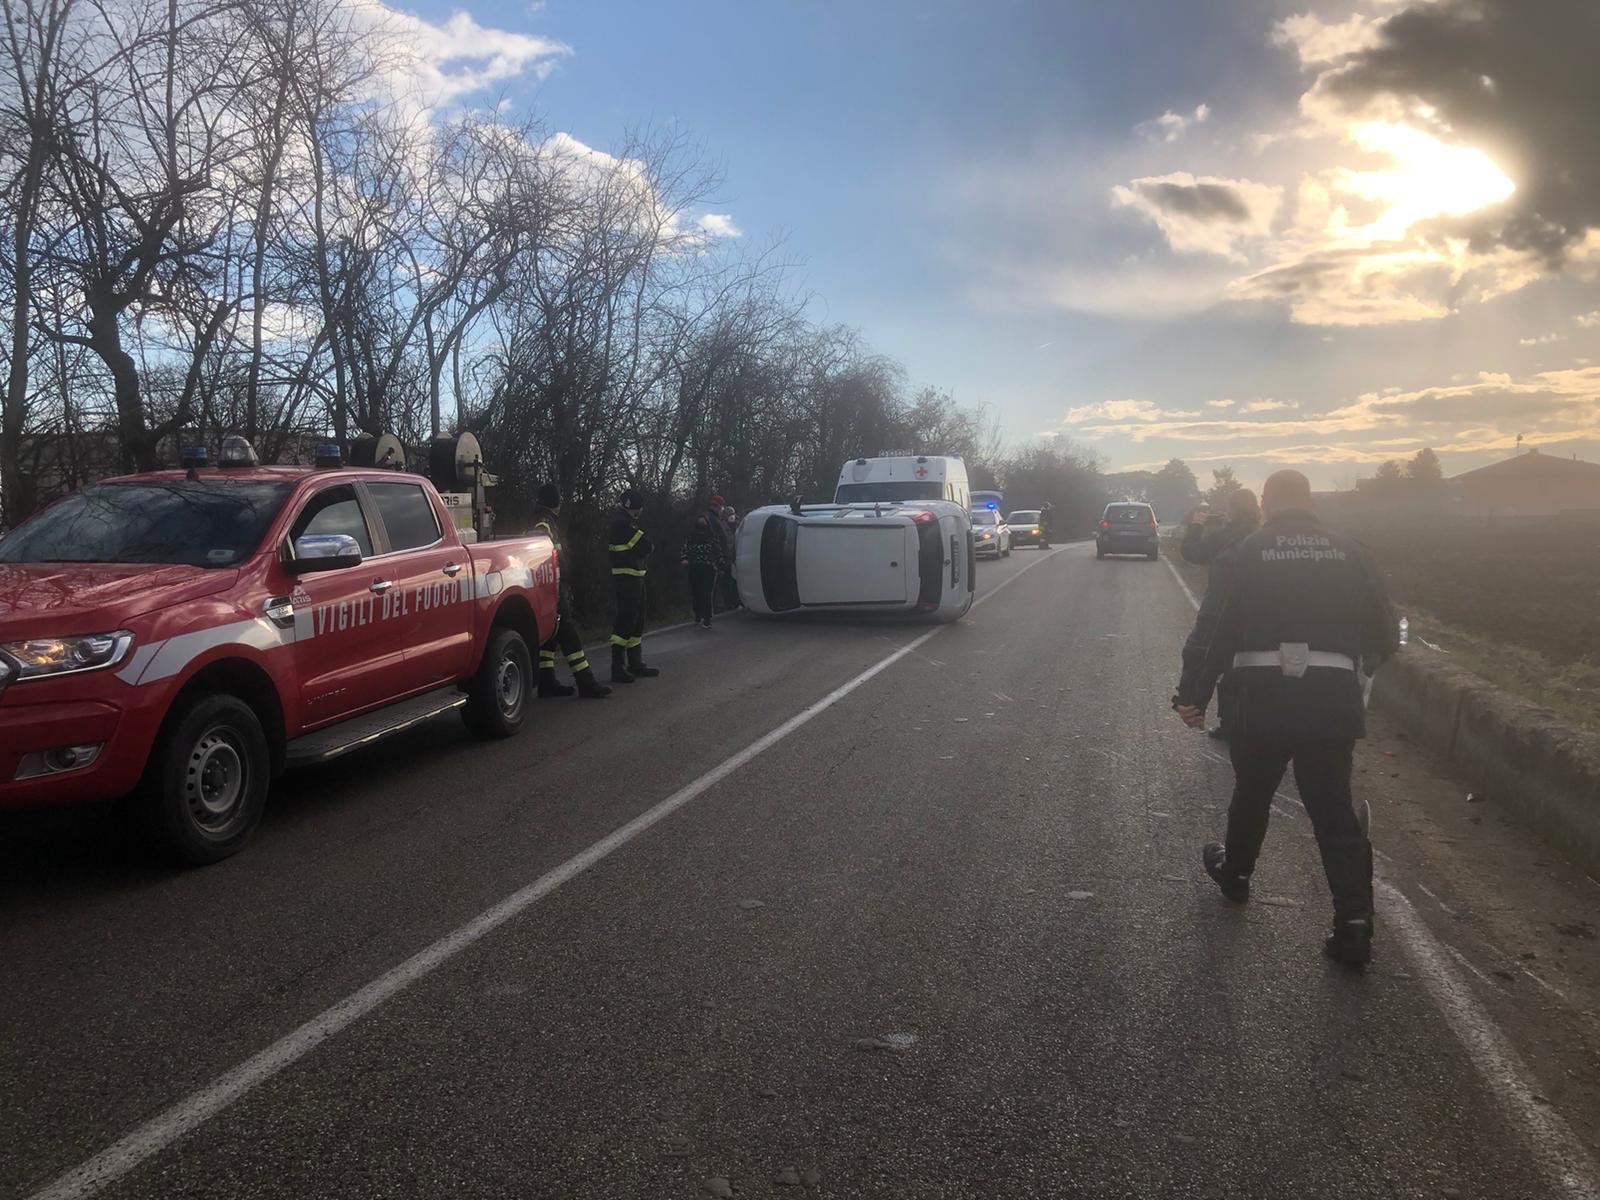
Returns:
point(38, 657)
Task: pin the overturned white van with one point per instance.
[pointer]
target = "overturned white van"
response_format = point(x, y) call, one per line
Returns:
point(913, 557)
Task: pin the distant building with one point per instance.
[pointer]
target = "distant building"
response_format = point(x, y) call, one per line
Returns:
point(1529, 485)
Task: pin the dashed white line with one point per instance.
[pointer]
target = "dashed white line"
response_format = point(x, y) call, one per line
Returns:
point(195, 1110)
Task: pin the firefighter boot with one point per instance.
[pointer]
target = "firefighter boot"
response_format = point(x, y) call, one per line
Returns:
point(1234, 886)
point(636, 666)
point(619, 666)
point(548, 686)
point(590, 688)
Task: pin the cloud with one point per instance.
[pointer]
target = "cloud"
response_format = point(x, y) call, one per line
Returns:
point(1318, 41)
point(1205, 215)
point(429, 65)
point(1543, 339)
point(1260, 406)
point(1478, 415)
point(1588, 320)
point(1171, 126)
point(1513, 79)
point(1219, 403)
point(717, 225)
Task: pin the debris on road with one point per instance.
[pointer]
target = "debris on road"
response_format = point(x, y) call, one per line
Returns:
point(788, 1177)
point(890, 1043)
point(752, 905)
point(717, 1186)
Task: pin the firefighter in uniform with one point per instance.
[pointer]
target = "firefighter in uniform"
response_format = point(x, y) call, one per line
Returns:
point(565, 638)
point(630, 552)
point(1304, 611)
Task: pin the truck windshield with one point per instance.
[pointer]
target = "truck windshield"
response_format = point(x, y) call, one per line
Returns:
point(201, 523)
point(888, 490)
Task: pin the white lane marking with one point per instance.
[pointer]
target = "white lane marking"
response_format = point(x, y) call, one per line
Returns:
point(1468, 964)
point(196, 1109)
point(1424, 889)
point(1181, 583)
point(1545, 984)
point(1560, 1156)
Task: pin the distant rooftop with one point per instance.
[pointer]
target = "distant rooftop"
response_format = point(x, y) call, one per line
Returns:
point(1532, 464)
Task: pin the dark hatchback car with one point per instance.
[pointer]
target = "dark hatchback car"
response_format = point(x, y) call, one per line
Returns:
point(1127, 529)
point(1025, 528)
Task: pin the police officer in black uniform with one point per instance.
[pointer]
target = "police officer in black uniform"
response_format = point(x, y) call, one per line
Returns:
point(565, 637)
point(1305, 609)
point(630, 553)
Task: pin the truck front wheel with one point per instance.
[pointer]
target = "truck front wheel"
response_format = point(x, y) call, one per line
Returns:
point(206, 785)
point(497, 696)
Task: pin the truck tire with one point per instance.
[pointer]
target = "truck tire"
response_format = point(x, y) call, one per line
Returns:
point(497, 696)
point(206, 784)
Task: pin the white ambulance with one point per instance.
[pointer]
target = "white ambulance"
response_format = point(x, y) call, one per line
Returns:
point(913, 557)
point(908, 477)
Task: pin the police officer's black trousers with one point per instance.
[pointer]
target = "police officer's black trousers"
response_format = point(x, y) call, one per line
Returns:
point(1322, 773)
point(627, 629)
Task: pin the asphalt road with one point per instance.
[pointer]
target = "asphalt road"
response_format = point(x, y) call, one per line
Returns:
point(947, 936)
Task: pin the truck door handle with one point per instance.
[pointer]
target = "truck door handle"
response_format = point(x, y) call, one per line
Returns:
point(452, 569)
point(379, 586)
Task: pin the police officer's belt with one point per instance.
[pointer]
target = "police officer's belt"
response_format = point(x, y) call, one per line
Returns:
point(1293, 659)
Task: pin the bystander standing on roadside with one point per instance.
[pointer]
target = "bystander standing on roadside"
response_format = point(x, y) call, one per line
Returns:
point(703, 556)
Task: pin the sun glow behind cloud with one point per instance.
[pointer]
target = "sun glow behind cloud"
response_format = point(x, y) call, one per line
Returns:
point(1428, 179)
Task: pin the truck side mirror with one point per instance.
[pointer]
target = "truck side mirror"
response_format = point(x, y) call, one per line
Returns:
point(324, 552)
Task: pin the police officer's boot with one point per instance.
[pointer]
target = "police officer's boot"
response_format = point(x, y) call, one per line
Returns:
point(619, 666)
point(1350, 941)
point(1234, 886)
point(636, 666)
point(548, 685)
point(1349, 868)
point(590, 688)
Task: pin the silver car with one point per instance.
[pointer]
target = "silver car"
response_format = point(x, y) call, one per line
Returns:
point(991, 536)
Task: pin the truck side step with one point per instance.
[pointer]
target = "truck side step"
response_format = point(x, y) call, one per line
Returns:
point(325, 744)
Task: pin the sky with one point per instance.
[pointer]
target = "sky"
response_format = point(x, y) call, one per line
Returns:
point(1244, 232)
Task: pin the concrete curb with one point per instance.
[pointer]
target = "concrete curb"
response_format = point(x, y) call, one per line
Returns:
point(1542, 769)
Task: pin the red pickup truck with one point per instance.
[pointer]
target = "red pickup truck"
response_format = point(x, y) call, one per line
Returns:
point(181, 637)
